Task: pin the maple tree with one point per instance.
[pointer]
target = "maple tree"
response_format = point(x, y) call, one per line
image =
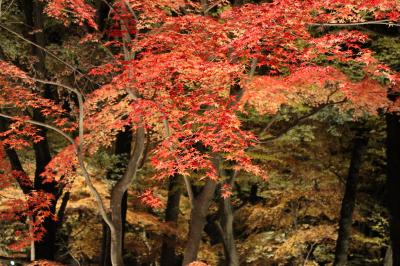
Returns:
point(180, 81)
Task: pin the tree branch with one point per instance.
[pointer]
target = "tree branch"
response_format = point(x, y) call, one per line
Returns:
point(298, 121)
point(77, 147)
point(375, 22)
point(42, 125)
point(19, 36)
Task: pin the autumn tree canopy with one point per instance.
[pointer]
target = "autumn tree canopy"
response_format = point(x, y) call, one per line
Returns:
point(178, 75)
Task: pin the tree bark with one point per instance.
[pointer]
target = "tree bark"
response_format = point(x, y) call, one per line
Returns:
point(225, 226)
point(393, 182)
point(168, 256)
point(388, 260)
point(198, 220)
point(34, 19)
point(45, 247)
point(117, 195)
point(349, 199)
point(123, 146)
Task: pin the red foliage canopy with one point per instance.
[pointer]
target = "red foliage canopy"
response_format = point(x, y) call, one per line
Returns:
point(184, 76)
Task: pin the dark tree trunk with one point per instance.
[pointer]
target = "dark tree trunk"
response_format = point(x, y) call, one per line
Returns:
point(349, 199)
point(63, 207)
point(102, 11)
point(34, 19)
point(393, 182)
point(24, 182)
point(168, 256)
point(198, 220)
point(45, 248)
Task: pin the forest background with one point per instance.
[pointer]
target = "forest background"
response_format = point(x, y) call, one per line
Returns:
point(226, 132)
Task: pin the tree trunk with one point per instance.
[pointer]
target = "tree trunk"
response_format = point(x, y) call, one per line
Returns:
point(388, 260)
point(349, 199)
point(225, 226)
point(393, 182)
point(168, 256)
point(123, 145)
point(45, 247)
point(198, 220)
point(105, 259)
point(25, 184)
point(117, 195)
point(34, 19)
point(102, 12)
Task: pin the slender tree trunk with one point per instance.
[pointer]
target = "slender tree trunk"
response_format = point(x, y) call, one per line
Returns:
point(198, 220)
point(168, 256)
point(225, 227)
point(105, 255)
point(117, 195)
point(388, 260)
point(349, 199)
point(226, 231)
point(393, 182)
point(123, 146)
point(105, 259)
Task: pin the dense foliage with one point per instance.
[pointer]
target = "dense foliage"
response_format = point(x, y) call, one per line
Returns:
point(248, 119)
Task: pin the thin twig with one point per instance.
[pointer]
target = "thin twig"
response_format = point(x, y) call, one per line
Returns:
point(19, 36)
point(309, 253)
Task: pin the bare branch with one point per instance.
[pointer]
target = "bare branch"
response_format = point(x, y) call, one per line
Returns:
point(42, 125)
point(48, 82)
point(299, 120)
point(375, 22)
point(19, 36)
point(78, 148)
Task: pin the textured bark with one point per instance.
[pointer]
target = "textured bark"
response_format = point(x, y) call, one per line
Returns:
point(117, 195)
point(105, 259)
point(123, 148)
point(349, 198)
point(45, 248)
point(198, 220)
point(393, 182)
point(34, 19)
point(168, 256)
point(63, 207)
point(225, 226)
